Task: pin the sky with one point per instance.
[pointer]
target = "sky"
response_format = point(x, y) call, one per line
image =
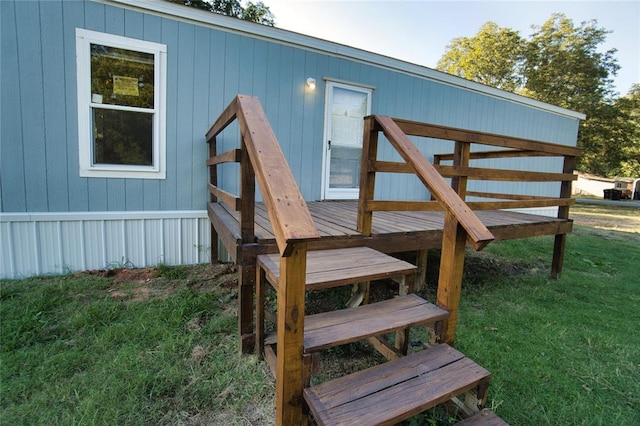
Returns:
point(419, 31)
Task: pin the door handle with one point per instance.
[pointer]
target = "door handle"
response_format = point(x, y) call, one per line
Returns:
point(329, 145)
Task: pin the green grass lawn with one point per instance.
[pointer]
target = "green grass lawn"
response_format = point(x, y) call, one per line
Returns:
point(161, 349)
point(563, 352)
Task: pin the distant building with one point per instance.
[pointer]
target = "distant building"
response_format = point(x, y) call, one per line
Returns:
point(629, 187)
point(591, 185)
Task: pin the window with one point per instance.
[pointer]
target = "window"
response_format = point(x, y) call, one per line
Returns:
point(121, 106)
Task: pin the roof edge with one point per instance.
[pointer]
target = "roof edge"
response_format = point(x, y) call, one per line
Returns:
point(202, 17)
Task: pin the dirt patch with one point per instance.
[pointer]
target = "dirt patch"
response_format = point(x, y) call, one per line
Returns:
point(139, 284)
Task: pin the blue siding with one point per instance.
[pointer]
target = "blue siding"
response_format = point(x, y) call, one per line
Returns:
point(206, 68)
point(13, 191)
point(169, 187)
point(30, 72)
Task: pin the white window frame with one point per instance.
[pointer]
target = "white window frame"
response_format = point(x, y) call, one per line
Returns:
point(84, 39)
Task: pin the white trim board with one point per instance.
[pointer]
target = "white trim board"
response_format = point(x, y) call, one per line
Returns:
point(238, 26)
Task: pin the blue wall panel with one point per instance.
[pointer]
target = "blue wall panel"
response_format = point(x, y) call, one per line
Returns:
point(30, 75)
point(53, 101)
point(206, 68)
point(169, 187)
point(13, 190)
point(73, 16)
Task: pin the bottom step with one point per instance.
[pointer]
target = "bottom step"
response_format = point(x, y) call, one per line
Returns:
point(396, 390)
point(483, 418)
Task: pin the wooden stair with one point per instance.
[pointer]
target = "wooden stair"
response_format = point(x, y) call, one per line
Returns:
point(396, 390)
point(406, 384)
point(387, 393)
point(485, 417)
point(329, 329)
point(339, 267)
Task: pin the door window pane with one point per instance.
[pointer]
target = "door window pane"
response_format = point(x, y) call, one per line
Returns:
point(347, 111)
point(345, 167)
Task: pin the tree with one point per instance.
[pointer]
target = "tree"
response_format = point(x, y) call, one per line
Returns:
point(564, 67)
point(561, 64)
point(492, 57)
point(254, 12)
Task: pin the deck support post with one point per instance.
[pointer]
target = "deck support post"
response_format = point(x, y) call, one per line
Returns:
point(246, 285)
point(563, 213)
point(450, 280)
point(290, 372)
point(213, 179)
point(421, 263)
point(247, 270)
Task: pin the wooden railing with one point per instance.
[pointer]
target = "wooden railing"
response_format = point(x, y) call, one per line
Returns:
point(517, 148)
point(262, 160)
point(461, 224)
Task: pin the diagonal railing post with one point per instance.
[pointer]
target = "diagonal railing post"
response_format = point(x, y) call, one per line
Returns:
point(261, 159)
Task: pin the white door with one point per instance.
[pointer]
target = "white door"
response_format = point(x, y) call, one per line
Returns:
point(346, 106)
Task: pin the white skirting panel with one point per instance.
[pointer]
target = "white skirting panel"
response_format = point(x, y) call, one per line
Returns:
point(55, 243)
point(540, 211)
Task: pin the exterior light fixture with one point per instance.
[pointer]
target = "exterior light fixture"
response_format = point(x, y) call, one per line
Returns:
point(311, 83)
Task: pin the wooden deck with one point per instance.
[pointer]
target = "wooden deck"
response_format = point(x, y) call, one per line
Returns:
point(271, 242)
point(392, 231)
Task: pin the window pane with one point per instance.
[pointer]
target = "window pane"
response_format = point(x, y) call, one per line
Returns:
point(345, 167)
point(347, 111)
point(121, 77)
point(122, 137)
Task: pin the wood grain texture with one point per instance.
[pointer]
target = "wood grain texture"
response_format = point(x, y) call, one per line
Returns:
point(420, 381)
point(477, 231)
point(337, 267)
point(286, 207)
point(335, 328)
point(462, 135)
point(290, 322)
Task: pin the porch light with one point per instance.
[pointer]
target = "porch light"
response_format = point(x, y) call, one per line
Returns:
point(311, 83)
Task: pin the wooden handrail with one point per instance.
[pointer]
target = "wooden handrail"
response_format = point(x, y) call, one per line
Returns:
point(414, 128)
point(285, 205)
point(477, 232)
point(503, 153)
point(262, 160)
point(461, 225)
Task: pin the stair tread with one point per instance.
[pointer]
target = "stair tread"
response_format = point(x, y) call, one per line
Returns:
point(395, 390)
point(335, 267)
point(335, 328)
point(483, 418)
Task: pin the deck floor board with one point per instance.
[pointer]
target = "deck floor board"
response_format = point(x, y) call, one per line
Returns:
point(402, 231)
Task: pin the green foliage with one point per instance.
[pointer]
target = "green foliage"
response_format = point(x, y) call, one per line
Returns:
point(611, 138)
point(171, 272)
point(255, 12)
point(491, 57)
point(562, 64)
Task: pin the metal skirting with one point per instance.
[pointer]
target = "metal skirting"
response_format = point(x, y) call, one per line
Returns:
point(57, 243)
